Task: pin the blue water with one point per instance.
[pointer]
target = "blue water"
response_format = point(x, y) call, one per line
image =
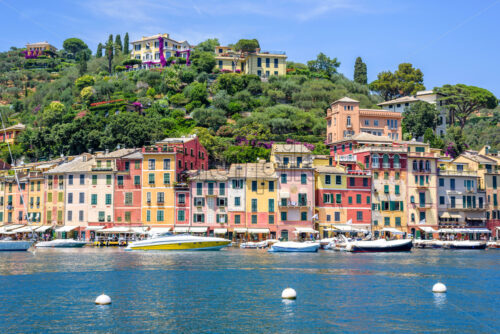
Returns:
point(239, 291)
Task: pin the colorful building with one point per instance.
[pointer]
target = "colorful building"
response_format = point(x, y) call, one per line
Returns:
point(345, 119)
point(150, 49)
point(33, 50)
point(11, 133)
point(261, 63)
point(128, 192)
point(237, 201)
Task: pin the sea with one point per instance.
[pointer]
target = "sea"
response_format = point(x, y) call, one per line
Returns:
point(239, 291)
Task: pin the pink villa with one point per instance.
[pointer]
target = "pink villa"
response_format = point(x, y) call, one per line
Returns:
point(16, 212)
point(294, 168)
point(209, 203)
point(128, 191)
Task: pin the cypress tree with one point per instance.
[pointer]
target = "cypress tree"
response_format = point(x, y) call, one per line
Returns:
point(125, 44)
point(360, 75)
point(118, 43)
point(99, 51)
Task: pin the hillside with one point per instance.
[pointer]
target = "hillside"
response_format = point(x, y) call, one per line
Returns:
point(71, 108)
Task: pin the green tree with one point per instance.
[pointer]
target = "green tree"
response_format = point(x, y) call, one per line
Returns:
point(118, 44)
point(74, 45)
point(386, 85)
point(99, 51)
point(208, 45)
point(203, 61)
point(109, 52)
point(360, 72)
point(462, 100)
point(454, 142)
point(126, 44)
point(247, 45)
point(418, 117)
point(324, 65)
point(406, 80)
point(84, 81)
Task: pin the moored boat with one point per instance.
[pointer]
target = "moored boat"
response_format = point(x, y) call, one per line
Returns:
point(61, 243)
point(179, 242)
point(292, 246)
point(380, 245)
point(14, 245)
point(254, 245)
point(467, 244)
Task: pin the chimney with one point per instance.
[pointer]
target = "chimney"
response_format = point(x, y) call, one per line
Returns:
point(107, 151)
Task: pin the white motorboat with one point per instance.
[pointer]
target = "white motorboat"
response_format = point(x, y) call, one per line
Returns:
point(61, 243)
point(14, 245)
point(293, 246)
point(467, 244)
point(179, 242)
point(380, 245)
point(254, 245)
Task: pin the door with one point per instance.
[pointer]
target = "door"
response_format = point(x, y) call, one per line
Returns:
point(284, 235)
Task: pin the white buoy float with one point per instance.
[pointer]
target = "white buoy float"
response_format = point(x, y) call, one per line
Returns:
point(103, 300)
point(439, 288)
point(289, 293)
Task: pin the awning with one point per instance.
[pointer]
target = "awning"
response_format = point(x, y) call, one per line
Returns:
point(198, 229)
point(348, 228)
point(445, 215)
point(258, 230)
point(392, 230)
point(43, 228)
point(181, 229)
point(94, 228)
point(11, 227)
point(220, 230)
point(305, 230)
point(117, 229)
point(464, 230)
point(24, 229)
point(240, 230)
point(66, 228)
point(427, 229)
point(455, 216)
point(157, 230)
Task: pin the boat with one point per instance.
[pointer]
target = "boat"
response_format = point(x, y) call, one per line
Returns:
point(467, 244)
point(61, 243)
point(380, 245)
point(254, 245)
point(493, 244)
point(293, 246)
point(179, 242)
point(14, 245)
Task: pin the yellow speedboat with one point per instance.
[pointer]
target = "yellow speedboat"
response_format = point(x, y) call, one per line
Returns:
point(179, 242)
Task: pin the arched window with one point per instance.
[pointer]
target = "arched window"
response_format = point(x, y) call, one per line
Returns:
point(415, 165)
point(421, 164)
point(385, 161)
point(375, 161)
point(412, 199)
point(396, 161)
point(348, 120)
point(427, 165)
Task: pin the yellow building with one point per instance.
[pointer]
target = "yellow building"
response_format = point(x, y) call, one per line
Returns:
point(35, 201)
point(261, 63)
point(40, 47)
point(158, 178)
point(11, 133)
point(147, 48)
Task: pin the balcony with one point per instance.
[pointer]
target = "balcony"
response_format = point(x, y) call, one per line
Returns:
point(102, 169)
point(181, 186)
point(386, 165)
point(296, 165)
point(419, 185)
point(380, 149)
point(422, 206)
point(457, 173)
point(375, 166)
point(293, 204)
point(396, 165)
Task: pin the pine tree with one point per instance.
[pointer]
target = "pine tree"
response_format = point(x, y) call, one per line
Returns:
point(118, 43)
point(99, 51)
point(125, 44)
point(360, 75)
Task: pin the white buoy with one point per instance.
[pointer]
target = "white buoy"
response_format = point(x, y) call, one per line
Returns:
point(289, 293)
point(103, 300)
point(439, 288)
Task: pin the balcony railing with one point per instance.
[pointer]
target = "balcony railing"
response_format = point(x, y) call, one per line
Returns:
point(102, 169)
point(382, 149)
point(293, 204)
point(386, 165)
point(397, 165)
point(457, 173)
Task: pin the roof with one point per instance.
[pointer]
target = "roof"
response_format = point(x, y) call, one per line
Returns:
point(400, 100)
point(380, 113)
point(364, 136)
point(137, 155)
point(346, 99)
point(76, 165)
point(116, 154)
point(262, 170)
point(210, 175)
point(290, 148)
point(479, 158)
point(329, 169)
point(18, 126)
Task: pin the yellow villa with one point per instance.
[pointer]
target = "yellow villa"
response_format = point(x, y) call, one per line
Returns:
point(148, 48)
point(261, 63)
point(11, 133)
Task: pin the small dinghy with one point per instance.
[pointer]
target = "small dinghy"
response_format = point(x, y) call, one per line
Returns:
point(380, 245)
point(294, 247)
point(468, 244)
point(61, 243)
point(254, 245)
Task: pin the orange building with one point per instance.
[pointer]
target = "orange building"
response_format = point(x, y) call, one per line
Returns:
point(345, 118)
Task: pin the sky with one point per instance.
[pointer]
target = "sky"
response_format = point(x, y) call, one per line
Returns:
point(450, 41)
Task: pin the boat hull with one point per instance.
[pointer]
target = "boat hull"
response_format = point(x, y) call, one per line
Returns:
point(292, 248)
point(14, 246)
point(366, 247)
point(50, 244)
point(468, 246)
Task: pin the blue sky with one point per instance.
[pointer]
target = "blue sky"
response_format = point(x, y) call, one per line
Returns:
point(450, 41)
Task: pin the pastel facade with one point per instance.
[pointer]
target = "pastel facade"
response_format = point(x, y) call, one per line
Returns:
point(148, 49)
point(128, 188)
point(237, 200)
point(101, 190)
point(11, 133)
point(261, 63)
point(41, 46)
point(345, 119)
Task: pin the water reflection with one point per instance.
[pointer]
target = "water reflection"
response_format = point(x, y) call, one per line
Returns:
point(440, 300)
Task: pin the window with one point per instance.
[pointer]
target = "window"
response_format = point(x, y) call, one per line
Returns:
point(70, 215)
point(368, 199)
point(337, 216)
point(271, 186)
point(254, 185)
point(60, 197)
point(283, 216)
point(303, 216)
point(398, 221)
point(275, 64)
point(151, 164)
point(396, 189)
point(160, 197)
point(160, 215)
point(358, 199)
point(259, 62)
point(328, 218)
point(199, 188)
point(137, 164)
point(386, 188)
point(268, 62)
point(328, 179)
point(108, 180)
point(166, 178)
point(127, 166)
point(352, 181)
point(283, 178)
point(237, 201)
point(166, 164)
point(367, 122)
point(70, 180)
point(375, 175)
point(151, 178)
point(128, 198)
point(237, 184)
point(148, 215)
point(222, 189)
point(108, 199)
point(254, 219)
point(93, 199)
point(338, 198)
point(359, 215)
point(387, 221)
point(338, 179)
point(80, 215)
point(348, 120)
point(270, 219)
point(94, 180)
point(452, 184)
point(254, 205)
point(120, 180)
point(102, 215)
point(237, 219)
point(303, 178)
point(221, 201)
point(271, 205)
point(199, 201)
point(137, 180)
point(375, 122)
point(70, 198)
